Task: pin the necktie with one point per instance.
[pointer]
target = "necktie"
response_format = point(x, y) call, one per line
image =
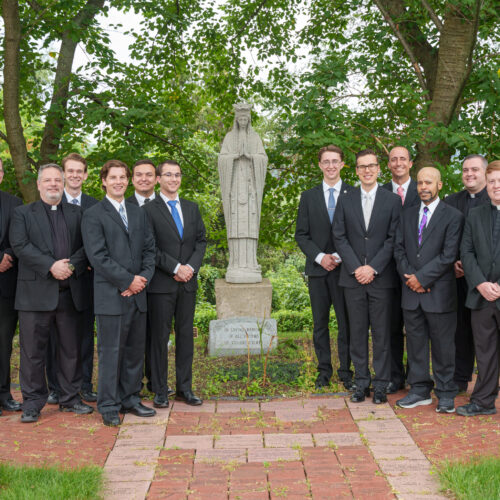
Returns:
point(367, 209)
point(401, 193)
point(176, 217)
point(331, 204)
point(146, 200)
point(123, 215)
point(75, 201)
point(423, 223)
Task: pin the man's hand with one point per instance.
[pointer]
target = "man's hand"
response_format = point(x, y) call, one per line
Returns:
point(413, 284)
point(490, 291)
point(60, 269)
point(184, 273)
point(364, 274)
point(138, 284)
point(328, 262)
point(6, 263)
point(459, 270)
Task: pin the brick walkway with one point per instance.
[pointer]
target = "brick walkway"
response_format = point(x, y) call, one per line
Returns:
point(320, 447)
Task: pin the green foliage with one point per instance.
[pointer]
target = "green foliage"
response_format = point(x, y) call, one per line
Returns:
point(292, 321)
point(206, 283)
point(204, 313)
point(478, 478)
point(289, 287)
point(50, 483)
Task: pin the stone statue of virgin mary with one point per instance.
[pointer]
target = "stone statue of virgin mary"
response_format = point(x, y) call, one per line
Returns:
point(242, 173)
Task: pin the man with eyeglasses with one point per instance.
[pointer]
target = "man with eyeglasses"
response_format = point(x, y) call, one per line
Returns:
point(406, 188)
point(180, 246)
point(363, 231)
point(144, 182)
point(314, 236)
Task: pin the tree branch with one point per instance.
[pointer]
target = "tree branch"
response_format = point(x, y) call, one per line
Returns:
point(406, 46)
point(254, 14)
point(32, 162)
point(435, 19)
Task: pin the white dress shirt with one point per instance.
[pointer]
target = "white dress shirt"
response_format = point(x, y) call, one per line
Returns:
point(432, 208)
point(140, 199)
point(405, 186)
point(117, 205)
point(71, 198)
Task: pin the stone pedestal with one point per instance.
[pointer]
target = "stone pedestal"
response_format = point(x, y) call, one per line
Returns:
point(236, 300)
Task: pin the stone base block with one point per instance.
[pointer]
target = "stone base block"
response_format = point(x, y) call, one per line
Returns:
point(236, 300)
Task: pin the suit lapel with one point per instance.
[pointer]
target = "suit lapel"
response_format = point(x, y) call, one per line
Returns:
point(167, 215)
point(113, 213)
point(320, 202)
point(43, 223)
point(377, 206)
point(357, 208)
point(411, 194)
point(434, 222)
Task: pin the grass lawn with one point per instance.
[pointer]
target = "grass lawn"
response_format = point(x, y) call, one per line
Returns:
point(477, 479)
point(49, 483)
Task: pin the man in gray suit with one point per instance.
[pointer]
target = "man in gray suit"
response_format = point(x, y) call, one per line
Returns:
point(426, 249)
point(121, 249)
point(480, 253)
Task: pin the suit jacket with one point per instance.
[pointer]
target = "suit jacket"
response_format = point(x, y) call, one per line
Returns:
point(31, 239)
point(459, 200)
point(87, 201)
point(432, 261)
point(132, 199)
point(8, 278)
point(411, 199)
point(480, 261)
point(374, 245)
point(171, 249)
point(313, 232)
point(116, 255)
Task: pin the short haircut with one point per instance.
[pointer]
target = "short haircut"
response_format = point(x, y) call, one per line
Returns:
point(402, 147)
point(333, 149)
point(75, 157)
point(484, 161)
point(494, 166)
point(145, 161)
point(49, 165)
point(109, 165)
point(365, 152)
point(166, 162)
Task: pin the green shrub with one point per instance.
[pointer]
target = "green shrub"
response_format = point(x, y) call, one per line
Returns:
point(289, 288)
point(203, 315)
point(206, 283)
point(296, 321)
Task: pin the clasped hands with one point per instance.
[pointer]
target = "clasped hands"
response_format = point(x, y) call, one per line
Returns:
point(184, 274)
point(138, 285)
point(490, 291)
point(364, 274)
point(329, 262)
point(413, 283)
point(60, 269)
point(6, 263)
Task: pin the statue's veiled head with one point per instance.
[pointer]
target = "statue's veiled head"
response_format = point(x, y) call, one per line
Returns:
point(242, 115)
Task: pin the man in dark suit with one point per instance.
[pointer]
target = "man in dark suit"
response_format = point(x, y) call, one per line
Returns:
point(144, 182)
point(363, 232)
point(46, 239)
point(180, 246)
point(75, 174)
point(474, 194)
point(121, 250)
point(406, 188)
point(480, 255)
point(8, 278)
point(427, 243)
point(313, 234)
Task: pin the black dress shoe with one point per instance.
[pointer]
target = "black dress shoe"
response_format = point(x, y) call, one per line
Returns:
point(379, 397)
point(111, 418)
point(360, 394)
point(30, 415)
point(321, 382)
point(170, 392)
point(349, 385)
point(10, 405)
point(189, 398)
point(139, 410)
point(392, 387)
point(53, 398)
point(89, 396)
point(160, 401)
point(78, 408)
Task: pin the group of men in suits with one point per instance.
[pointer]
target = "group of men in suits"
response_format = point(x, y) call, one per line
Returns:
point(67, 240)
point(387, 259)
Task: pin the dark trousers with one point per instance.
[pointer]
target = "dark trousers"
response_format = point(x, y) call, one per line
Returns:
point(34, 331)
point(8, 323)
point(120, 347)
point(486, 328)
point(464, 340)
point(162, 309)
point(439, 329)
point(370, 307)
point(398, 371)
point(325, 291)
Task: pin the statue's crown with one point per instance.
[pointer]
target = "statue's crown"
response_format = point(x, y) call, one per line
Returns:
point(242, 107)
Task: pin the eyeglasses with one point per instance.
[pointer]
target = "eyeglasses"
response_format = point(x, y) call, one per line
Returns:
point(371, 166)
point(168, 175)
point(333, 163)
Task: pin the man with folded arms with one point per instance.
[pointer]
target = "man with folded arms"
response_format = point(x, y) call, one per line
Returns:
point(426, 249)
point(480, 254)
point(46, 238)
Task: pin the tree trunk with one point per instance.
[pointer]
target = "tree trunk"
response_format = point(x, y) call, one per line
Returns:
point(12, 117)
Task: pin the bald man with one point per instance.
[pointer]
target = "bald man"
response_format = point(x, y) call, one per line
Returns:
point(427, 245)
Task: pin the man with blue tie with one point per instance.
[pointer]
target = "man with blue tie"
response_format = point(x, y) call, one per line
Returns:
point(180, 246)
point(314, 236)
